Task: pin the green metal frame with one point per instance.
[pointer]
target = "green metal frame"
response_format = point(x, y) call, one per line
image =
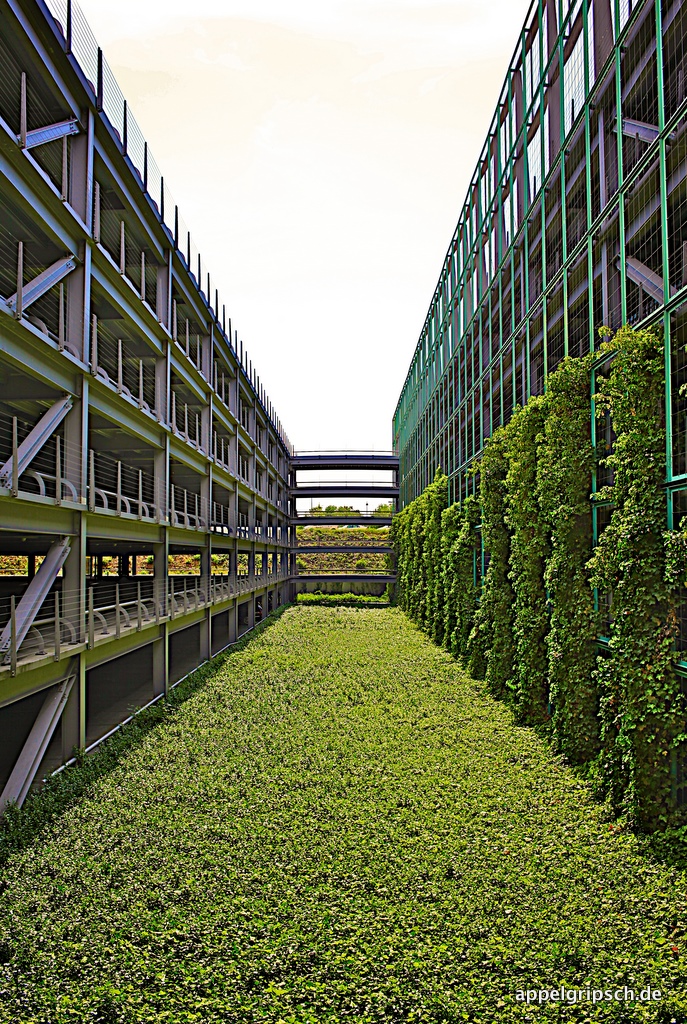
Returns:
point(453, 331)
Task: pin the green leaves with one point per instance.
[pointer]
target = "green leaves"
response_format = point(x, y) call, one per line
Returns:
point(338, 825)
point(565, 460)
point(491, 639)
point(642, 705)
point(532, 631)
point(529, 550)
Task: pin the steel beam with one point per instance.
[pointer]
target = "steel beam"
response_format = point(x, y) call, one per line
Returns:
point(52, 132)
point(32, 444)
point(28, 762)
point(33, 598)
point(41, 284)
point(343, 490)
point(646, 279)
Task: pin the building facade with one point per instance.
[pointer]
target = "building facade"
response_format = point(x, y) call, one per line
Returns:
point(575, 218)
point(133, 426)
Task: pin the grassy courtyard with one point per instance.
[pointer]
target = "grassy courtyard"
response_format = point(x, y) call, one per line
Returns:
point(337, 825)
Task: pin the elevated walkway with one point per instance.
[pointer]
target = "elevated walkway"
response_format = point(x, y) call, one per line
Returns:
point(345, 519)
point(356, 489)
point(343, 490)
point(344, 460)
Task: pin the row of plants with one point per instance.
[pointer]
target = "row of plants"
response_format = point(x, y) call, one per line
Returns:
point(349, 600)
point(333, 824)
point(353, 537)
point(385, 509)
point(531, 626)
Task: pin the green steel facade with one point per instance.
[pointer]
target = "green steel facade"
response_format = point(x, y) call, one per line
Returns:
point(576, 217)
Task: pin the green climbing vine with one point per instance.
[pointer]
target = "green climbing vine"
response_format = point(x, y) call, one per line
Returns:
point(417, 540)
point(642, 706)
point(532, 630)
point(459, 551)
point(528, 553)
point(437, 498)
point(565, 460)
point(490, 647)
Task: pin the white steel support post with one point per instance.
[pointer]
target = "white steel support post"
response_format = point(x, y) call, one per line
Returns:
point(75, 458)
point(74, 580)
point(78, 283)
point(160, 586)
point(74, 714)
point(206, 625)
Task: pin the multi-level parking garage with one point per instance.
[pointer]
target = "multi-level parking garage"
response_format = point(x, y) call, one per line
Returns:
point(576, 217)
point(133, 427)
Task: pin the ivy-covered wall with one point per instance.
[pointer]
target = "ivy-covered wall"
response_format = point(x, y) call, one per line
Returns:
point(531, 626)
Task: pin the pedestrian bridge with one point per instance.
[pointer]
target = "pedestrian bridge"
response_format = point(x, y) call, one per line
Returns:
point(339, 464)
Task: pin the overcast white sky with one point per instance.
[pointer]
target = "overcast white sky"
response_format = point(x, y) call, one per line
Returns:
point(319, 151)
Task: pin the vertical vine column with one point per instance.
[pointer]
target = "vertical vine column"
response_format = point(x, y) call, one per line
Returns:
point(642, 707)
point(491, 640)
point(529, 551)
point(564, 482)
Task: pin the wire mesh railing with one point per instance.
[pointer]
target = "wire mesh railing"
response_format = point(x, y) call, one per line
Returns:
point(115, 486)
point(221, 382)
point(54, 472)
point(185, 422)
point(114, 361)
point(187, 508)
point(111, 607)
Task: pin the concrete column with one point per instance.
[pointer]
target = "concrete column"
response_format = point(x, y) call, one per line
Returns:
point(207, 345)
point(162, 378)
point(78, 283)
point(81, 171)
point(161, 662)
point(160, 472)
point(75, 454)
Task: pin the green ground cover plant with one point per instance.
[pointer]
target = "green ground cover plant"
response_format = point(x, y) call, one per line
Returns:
point(343, 561)
point(337, 825)
point(347, 600)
